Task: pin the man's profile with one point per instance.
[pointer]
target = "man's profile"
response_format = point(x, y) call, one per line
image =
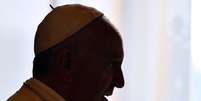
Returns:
point(78, 56)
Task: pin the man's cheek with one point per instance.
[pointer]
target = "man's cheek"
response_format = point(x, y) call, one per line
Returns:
point(107, 77)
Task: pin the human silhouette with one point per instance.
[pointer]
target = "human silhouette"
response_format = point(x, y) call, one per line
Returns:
point(78, 57)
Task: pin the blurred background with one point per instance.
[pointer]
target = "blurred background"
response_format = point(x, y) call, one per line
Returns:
point(162, 55)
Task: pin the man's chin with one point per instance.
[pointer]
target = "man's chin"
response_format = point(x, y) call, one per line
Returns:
point(104, 99)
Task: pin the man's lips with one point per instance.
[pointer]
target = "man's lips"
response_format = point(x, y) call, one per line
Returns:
point(108, 94)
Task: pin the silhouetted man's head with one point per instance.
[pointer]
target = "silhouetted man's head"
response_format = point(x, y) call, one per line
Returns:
point(85, 66)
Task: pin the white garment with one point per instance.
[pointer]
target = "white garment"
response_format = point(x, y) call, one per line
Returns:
point(34, 90)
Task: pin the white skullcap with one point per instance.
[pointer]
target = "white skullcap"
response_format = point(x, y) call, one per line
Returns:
point(61, 23)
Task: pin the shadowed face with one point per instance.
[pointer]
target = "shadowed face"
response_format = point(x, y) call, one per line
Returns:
point(96, 65)
point(93, 64)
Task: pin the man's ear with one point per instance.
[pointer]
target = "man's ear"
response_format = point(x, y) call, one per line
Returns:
point(67, 61)
point(63, 58)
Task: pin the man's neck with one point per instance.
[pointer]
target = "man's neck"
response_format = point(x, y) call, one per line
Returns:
point(58, 86)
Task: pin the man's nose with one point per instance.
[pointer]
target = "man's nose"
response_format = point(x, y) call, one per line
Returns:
point(119, 79)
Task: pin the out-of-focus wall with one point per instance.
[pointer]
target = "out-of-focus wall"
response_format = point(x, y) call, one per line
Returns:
point(195, 84)
point(157, 50)
point(18, 23)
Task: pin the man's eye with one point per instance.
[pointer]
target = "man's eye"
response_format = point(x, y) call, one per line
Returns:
point(111, 65)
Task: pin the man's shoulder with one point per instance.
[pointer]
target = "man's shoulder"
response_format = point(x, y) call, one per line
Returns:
point(24, 94)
